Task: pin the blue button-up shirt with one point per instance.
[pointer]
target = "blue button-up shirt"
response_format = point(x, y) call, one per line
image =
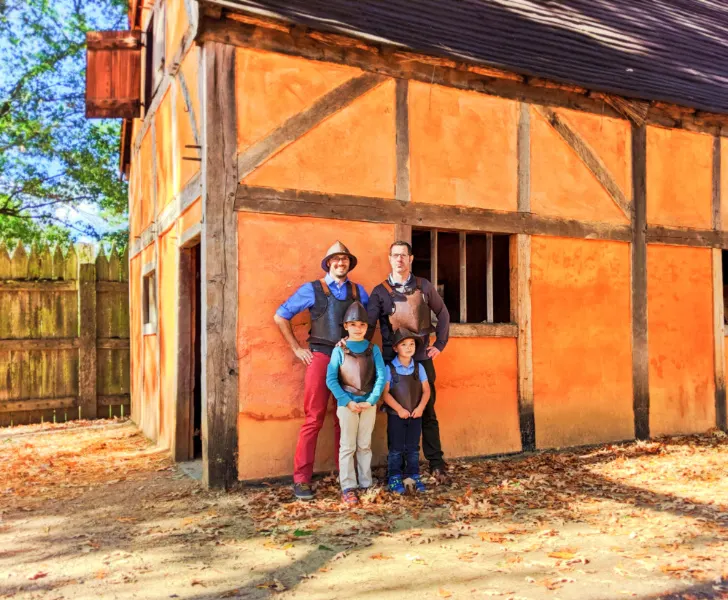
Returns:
point(303, 298)
point(408, 370)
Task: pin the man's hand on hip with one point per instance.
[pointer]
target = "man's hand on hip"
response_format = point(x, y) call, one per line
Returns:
point(432, 352)
point(304, 355)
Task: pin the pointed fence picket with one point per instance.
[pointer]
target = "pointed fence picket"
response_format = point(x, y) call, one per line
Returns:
point(64, 333)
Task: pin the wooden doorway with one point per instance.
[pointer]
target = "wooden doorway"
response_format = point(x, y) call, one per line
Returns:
point(188, 436)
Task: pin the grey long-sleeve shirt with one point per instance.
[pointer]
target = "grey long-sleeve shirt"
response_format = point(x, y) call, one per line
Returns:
point(380, 307)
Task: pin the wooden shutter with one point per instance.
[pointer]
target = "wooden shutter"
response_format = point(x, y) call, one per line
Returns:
point(113, 68)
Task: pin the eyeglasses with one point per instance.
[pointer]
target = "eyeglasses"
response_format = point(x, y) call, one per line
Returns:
point(402, 256)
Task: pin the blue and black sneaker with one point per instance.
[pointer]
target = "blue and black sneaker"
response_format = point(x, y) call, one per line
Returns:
point(395, 485)
point(419, 486)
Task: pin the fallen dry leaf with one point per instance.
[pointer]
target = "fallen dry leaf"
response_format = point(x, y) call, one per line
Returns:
point(443, 593)
point(38, 575)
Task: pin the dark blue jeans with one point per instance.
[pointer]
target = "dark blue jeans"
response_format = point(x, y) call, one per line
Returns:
point(404, 446)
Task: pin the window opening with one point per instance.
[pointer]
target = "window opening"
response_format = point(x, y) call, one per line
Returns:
point(149, 300)
point(471, 272)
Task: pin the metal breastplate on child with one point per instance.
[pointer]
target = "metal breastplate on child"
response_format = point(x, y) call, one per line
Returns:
point(406, 389)
point(410, 310)
point(327, 313)
point(357, 372)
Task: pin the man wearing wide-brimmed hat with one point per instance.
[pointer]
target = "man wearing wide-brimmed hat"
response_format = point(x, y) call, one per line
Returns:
point(327, 299)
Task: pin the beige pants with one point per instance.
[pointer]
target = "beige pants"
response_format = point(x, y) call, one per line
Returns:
point(356, 436)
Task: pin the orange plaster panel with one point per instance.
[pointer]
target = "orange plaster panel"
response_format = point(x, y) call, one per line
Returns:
point(185, 169)
point(582, 358)
point(271, 378)
point(611, 140)
point(463, 148)
point(168, 269)
point(271, 88)
point(679, 178)
point(192, 216)
point(135, 199)
point(147, 181)
point(177, 24)
point(477, 399)
point(135, 333)
point(352, 152)
point(561, 184)
point(150, 386)
point(680, 339)
point(164, 152)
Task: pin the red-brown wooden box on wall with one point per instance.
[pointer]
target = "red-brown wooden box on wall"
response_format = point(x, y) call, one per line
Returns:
point(113, 70)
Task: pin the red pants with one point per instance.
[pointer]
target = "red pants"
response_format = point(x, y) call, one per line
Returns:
point(315, 402)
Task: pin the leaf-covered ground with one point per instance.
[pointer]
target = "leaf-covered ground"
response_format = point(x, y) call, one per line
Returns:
point(93, 510)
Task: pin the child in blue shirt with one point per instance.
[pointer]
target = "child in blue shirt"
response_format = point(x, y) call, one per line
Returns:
point(406, 394)
point(356, 377)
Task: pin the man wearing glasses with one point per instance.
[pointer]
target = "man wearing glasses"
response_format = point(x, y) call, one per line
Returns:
point(403, 301)
point(327, 300)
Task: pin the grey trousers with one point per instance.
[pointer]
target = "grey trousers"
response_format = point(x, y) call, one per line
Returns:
point(356, 437)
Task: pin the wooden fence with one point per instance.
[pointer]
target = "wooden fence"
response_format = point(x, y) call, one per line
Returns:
point(64, 334)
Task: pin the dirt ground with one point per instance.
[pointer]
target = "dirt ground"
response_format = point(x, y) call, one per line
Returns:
point(93, 510)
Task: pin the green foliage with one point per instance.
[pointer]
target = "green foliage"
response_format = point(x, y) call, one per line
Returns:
point(53, 160)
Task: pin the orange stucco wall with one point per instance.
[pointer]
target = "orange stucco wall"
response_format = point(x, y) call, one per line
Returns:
point(271, 88)
point(168, 275)
point(177, 24)
point(680, 339)
point(358, 144)
point(146, 200)
point(271, 377)
point(185, 169)
point(150, 388)
point(562, 185)
point(581, 324)
point(477, 401)
point(135, 335)
point(191, 216)
point(679, 178)
point(163, 154)
point(463, 148)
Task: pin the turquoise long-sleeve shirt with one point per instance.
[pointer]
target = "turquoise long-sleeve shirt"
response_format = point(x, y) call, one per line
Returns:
point(332, 374)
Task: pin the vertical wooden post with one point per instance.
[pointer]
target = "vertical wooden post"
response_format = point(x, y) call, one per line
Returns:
point(433, 257)
point(463, 278)
point(718, 300)
point(520, 260)
point(87, 340)
point(640, 352)
point(402, 186)
point(219, 269)
point(181, 449)
point(524, 158)
point(521, 307)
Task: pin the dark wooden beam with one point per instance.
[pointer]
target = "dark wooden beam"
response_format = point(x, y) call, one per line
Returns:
point(718, 296)
point(402, 188)
point(190, 107)
point(589, 157)
point(640, 352)
point(719, 340)
point(219, 270)
point(182, 439)
point(524, 158)
point(382, 210)
point(682, 236)
point(301, 123)
point(521, 298)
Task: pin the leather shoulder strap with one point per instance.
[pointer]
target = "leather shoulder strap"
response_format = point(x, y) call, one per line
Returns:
point(388, 287)
point(418, 283)
point(393, 371)
point(325, 287)
point(354, 291)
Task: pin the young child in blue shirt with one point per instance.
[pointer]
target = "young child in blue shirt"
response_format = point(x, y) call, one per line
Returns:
point(356, 377)
point(406, 394)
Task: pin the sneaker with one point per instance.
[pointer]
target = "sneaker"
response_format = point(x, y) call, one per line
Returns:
point(395, 485)
point(441, 476)
point(419, 486)
point(303, 491)
point(349, 497)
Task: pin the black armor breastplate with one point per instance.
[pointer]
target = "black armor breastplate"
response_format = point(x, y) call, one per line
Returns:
point(327, 313)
